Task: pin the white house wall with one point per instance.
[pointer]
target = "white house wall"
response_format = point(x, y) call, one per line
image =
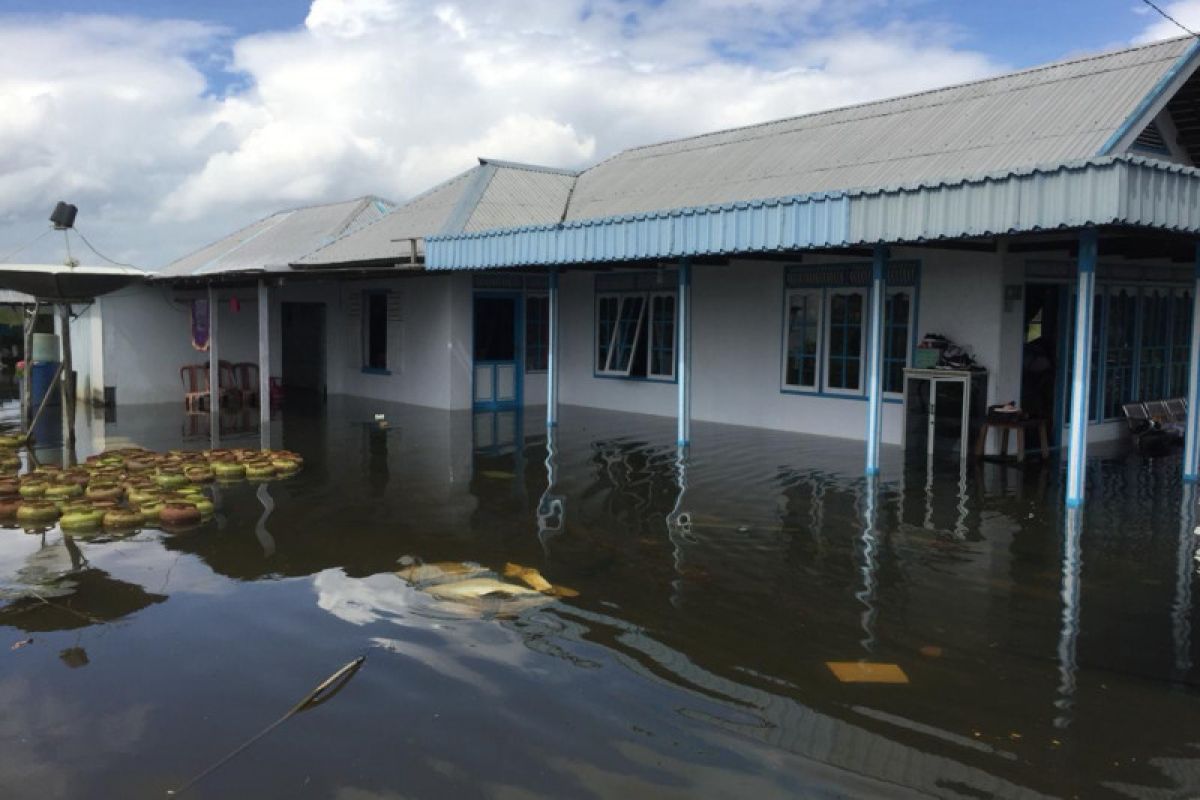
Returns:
point(737, 344)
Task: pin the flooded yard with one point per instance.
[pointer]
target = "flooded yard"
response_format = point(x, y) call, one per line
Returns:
point(719, 614)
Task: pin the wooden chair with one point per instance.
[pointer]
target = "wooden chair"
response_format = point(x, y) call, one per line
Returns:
point(245, 382)
point(194, 378)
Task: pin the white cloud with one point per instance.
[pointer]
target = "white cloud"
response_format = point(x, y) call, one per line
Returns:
point(391, 96)
point(1186, 12)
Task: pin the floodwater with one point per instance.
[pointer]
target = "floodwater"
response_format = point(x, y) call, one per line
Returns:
point(1040, 655)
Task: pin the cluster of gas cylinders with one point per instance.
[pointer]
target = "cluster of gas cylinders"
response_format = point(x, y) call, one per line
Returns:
point(127, 489)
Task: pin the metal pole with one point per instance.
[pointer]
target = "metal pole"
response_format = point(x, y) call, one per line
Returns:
point(683, 354)
point(27, 376)
point(875, 360)
point(214, 371)
point(66, 384)
point(264, 365)
point(552, 352)
point(1081, 378)
point(1191, 446)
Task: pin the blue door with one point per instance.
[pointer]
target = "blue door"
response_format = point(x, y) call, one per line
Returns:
point(497, 364)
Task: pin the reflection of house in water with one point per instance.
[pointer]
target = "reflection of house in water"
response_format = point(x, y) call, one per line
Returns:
point(58, 590)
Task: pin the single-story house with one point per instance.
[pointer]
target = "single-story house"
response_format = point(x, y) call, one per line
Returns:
point(778, 275)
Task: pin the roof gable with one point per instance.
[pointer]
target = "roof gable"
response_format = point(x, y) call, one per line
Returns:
point(491, 195)
point(273, 242)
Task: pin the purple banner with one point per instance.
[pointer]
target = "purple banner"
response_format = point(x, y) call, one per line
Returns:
point(200, 324)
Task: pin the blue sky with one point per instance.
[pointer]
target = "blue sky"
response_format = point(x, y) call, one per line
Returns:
point(170, 123)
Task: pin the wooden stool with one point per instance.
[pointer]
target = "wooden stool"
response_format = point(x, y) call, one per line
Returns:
point(1020, 426)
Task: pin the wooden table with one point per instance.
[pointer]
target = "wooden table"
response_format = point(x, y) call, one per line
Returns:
point(1018, 425)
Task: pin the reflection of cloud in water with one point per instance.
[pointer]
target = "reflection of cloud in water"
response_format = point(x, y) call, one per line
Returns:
point(361, 601)
point(31, 562)
point(41, 739)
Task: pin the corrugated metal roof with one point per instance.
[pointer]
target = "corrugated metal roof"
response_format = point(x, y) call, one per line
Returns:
point(491, 195)
point(1051, 114)
point(272, 243)
point(1128, 190)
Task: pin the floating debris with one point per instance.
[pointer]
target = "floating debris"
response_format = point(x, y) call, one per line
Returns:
point(866, 672)
point(931, 651)
point(534, 580)
point(440, 572)
point(20, 644)
point(470, 586)
point(498, 475)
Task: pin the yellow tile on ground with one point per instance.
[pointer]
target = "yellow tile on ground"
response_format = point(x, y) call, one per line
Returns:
point(866, 672)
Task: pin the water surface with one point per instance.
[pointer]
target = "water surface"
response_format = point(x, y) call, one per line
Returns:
point(1045, 656)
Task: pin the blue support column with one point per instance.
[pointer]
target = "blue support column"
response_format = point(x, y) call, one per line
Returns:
point(875, 358)
point(1191, 447)
point(552, 352)
point(1080, 379)
point(683, 364)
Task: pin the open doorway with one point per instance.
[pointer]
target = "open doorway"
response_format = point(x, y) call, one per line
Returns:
point(303, 328)
point(1044, 354)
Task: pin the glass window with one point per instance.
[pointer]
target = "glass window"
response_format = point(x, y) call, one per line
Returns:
point(897, 319)
point(662, 335)
point(635, 334)
point(537, 332)
point(803, 339)
point(375, 330)
point(1155, 344)
point(1120, 328)
point(606, 328)
point(844, 335)
point(1181, 342)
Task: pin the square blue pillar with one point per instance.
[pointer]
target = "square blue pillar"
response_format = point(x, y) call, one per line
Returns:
point(1191, 446)
point(683, 354)
point(1081, 371)
point(875, 358)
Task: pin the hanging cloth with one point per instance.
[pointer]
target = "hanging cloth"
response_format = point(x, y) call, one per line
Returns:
point(200, 324)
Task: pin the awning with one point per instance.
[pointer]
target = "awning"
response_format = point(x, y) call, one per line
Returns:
point(59, 283)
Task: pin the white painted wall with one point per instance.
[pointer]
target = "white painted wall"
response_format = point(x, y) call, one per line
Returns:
point(737, 344)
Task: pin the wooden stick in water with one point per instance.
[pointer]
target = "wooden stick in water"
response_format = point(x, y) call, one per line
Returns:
point(314, 698)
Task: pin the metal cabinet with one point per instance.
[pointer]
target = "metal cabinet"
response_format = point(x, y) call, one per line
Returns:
point(943, 409)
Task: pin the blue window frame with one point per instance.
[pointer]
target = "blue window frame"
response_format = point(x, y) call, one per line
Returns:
point(897, 338)
point(1141, 343)
point(537, 332)
point(1181, 342)
point(1121, 341)
point(1154, 343)
point(662, 335)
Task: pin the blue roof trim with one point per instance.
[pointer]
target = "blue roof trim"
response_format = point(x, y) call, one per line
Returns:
point(818, 220)
point(1109, 189)
point(1150, 99)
